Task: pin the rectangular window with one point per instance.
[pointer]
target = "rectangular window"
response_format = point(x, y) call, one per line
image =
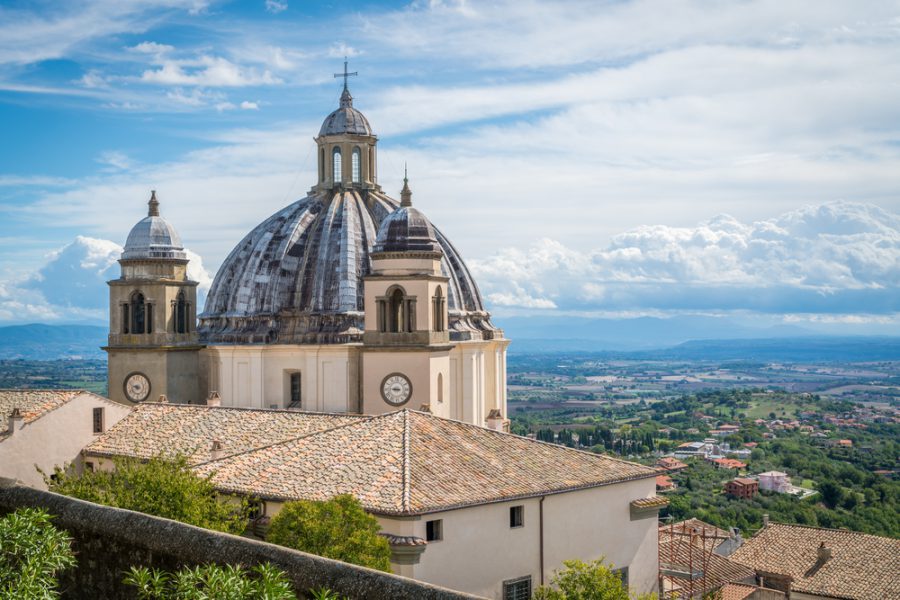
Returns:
point(623, 575)
point(98, 420)
point(295, 390)
point(434, 530)
point(517, 589)
point(89, 467)
point(516, 516)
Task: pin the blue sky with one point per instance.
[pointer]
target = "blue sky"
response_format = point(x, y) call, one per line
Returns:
point(601, 158)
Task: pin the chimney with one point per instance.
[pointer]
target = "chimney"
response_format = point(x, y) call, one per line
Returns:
point(426, 408)
point(214, 399)
point(215, 451)
point(823, 553)
point(495, 420)
point(765, 520)
point(163, 399)
point(16, 420)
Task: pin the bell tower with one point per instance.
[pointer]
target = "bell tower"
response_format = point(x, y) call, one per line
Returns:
point(406, 344)
point(153, 346)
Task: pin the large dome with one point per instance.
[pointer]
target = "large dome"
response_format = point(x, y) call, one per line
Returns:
point(297, 277)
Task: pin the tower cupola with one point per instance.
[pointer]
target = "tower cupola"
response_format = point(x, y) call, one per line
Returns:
point(346, 146)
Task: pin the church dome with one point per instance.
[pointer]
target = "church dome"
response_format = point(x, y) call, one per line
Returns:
point(346, 119)
point(153, 237)
point(406, 229)
point(298, 276)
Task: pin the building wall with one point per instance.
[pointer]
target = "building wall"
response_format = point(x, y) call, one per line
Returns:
point(55, 439)
point(480, 551)
point(473, 377)
point(173, 372)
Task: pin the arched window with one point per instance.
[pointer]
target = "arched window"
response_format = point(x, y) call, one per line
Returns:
point(336, 164)
point(138, 313)
point(438, 307)
point(181, 314)
point(396, 311)
point(321, 165)
point(355, 158)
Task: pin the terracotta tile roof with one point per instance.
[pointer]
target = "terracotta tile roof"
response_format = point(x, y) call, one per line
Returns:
point(34, 404)
point(407, 462)
point(713, 570)
point(861, 567)
point(154, 429)
point(739, 591)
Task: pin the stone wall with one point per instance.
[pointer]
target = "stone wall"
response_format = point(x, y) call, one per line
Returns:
point(109, 540)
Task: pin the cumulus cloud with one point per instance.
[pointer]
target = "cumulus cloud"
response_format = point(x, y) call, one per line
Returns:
point(71, 285)
point(837, 257)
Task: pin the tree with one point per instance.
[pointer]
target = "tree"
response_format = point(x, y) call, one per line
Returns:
point(162, 487)
point(32, 553)
point(338, 528)
point(831, 493)
point(262, 582)
point(586, 581)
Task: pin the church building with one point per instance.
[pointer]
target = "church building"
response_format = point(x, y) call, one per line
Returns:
point(345, 301)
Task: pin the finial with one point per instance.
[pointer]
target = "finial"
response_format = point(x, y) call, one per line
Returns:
point(154, 205)
point(346, 98)
point(405, 193)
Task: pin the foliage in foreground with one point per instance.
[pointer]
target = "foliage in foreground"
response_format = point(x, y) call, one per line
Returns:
point(338, 528)
point(32, 553)
point(262, 582)
point(162, 487)
point(586, 581)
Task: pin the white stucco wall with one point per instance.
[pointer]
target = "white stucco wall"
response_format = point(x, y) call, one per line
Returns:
point(55, 439)
point(480, 551)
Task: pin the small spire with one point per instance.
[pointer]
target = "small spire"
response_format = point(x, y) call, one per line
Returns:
point(346, 98)
point(405, 193)
point(154, 205)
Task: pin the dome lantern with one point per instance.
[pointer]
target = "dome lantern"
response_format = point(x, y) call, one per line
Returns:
point(153, 238)
point(346, 146)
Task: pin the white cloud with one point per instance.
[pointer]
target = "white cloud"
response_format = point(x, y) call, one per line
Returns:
point(837, 257)
point(152, 48)
point(116, 160)
point(247, 105)
point(71, 285)
point(341, 50)
point(276, 6)
point(208, 71)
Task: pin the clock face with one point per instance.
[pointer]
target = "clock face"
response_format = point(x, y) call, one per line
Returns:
point(137, 387)
point(396, 389)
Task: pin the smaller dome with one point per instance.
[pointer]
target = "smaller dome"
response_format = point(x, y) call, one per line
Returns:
point(346, 119)
point(153, 237)
point(406, 229)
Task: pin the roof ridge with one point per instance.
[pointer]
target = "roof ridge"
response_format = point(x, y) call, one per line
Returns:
point(771, 523)
point(405, 499)
point(287, 411)
point(653, 470)
point(363, 419)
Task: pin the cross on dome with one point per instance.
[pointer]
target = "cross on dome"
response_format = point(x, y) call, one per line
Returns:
point(346, 98)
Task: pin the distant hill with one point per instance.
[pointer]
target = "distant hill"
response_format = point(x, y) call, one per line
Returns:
point(641, 333)
point(50, 342)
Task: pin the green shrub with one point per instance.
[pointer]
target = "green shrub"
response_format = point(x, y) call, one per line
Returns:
point(32, 554)
point(262, 582)
point(586, 581)
point(162, 487)
point(338, 528)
